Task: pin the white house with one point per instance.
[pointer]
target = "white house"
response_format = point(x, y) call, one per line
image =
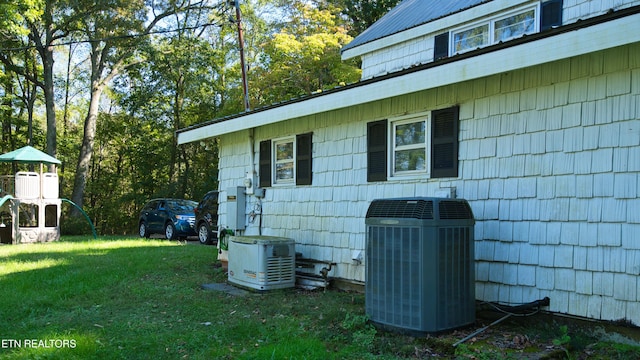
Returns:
point(530, 110)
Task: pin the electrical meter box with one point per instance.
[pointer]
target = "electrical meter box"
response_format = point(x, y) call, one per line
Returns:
point(236, 205)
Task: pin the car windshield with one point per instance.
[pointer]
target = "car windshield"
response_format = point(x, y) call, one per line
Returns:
point(182, 205)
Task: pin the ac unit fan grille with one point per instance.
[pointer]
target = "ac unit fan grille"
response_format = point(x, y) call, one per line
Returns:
point(454, 210)
point(397, 208)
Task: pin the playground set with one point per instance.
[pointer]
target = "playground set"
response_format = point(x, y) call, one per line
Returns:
point(29, 200)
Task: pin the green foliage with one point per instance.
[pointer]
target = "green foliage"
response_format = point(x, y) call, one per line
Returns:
point(14, 14)
point(74, 226)
point(186, 72)
point(363, 13)
point(563, 341)
point(303, 57)
point(563, 338)
point(363, 334)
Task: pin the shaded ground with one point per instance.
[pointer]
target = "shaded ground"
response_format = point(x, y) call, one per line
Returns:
point(538, 336)
point(541, 336)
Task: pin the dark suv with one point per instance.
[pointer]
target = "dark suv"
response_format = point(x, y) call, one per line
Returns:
point(207, 218)
point(172, 217)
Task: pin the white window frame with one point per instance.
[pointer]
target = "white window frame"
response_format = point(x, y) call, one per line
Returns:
point(491, 27)
point(393, 123)
point(275, 161)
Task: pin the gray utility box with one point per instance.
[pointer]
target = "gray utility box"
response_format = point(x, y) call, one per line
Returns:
point(419, 264)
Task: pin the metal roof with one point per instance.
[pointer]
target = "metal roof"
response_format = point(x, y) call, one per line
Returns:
point(409, 14)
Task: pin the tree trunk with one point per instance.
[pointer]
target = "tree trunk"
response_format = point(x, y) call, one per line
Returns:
point(49, 101)
point(7, 137)
point(86, 151)
point(46, 52)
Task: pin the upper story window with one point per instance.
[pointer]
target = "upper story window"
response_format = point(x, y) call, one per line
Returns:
point(493, 30)
point(522, 21)
point(515, 26)
point(470, 39)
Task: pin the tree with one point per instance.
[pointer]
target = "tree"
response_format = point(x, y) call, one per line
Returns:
point(303, 57)
point(116, 32)
point(35, 20)
point(363, 13)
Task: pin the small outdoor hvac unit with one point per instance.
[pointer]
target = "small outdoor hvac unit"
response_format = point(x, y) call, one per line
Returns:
point(262, 262)
point(419, 268)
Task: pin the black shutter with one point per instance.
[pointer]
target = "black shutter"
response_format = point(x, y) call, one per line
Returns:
point(551, 14)
point(303, 159)
point(377, 151)
point(265, 163)
point(444, 143)
point(441, 46)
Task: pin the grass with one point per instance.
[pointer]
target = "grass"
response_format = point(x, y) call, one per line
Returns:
point(133, 299)
point(124, 298)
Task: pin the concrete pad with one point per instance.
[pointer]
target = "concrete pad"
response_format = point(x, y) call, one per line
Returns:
point(226, 288)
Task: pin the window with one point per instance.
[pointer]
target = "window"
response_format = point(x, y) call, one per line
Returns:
point(28, 215)
point(51, 215)
point(283, 159)
point(409, 146)
point(286, 161)
point(516, 24)
point(470, 39)
point(426, 144)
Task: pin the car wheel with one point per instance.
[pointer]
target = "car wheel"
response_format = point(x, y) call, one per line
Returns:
point(143, 230)
point(170, 231)
point(204, 235)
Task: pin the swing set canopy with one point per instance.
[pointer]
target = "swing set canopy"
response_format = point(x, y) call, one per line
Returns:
point(29, 154)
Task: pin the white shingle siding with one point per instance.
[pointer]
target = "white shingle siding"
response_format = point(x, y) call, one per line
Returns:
point(551, 168)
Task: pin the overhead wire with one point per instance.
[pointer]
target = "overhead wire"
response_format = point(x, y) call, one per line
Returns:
point(111, 38)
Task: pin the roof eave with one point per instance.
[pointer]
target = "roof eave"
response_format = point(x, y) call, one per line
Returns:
point(595, 34)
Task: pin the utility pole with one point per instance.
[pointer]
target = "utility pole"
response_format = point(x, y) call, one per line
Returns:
point(245, 83)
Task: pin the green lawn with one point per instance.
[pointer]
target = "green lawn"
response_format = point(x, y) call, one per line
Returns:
point(127, 298)
point(142, 299)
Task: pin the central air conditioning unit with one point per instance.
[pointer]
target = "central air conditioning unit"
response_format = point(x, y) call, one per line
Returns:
point(419, 264)
point(262, 262)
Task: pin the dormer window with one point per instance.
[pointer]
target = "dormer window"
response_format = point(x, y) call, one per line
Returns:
point(469, 39)
point(515, 24)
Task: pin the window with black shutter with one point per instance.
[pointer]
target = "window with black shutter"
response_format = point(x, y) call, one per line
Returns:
point(551, 14)
point(410, 152)
point(303, 159)
point(444, 142)
point(265, 163)
point(288, 159)
point(377, 151)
